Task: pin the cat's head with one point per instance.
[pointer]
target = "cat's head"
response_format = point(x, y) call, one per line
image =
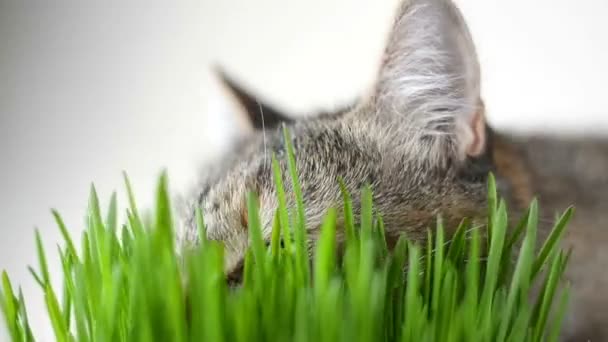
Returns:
point(425, 103)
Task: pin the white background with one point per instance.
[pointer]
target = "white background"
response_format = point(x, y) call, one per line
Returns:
point(87, 90)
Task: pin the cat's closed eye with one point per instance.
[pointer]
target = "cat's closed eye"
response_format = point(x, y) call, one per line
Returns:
point(235, 276)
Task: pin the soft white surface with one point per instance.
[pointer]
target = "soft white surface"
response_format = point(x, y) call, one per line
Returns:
point(88, 90)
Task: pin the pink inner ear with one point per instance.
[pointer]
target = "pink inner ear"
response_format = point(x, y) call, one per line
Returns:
point(478, 126)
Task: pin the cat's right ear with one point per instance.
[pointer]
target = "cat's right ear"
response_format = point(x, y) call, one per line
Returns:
point(258, 114)
point(429, 81)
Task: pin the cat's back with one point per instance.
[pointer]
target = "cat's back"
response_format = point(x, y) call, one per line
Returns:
point(566, 170)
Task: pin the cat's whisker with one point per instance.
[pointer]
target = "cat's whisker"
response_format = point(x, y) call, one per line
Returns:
point(261, 108)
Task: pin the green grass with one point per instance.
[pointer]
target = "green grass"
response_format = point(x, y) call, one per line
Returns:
point(127, 283)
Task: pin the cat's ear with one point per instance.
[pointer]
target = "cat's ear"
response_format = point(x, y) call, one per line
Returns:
point(430, 76)
point(256, 113)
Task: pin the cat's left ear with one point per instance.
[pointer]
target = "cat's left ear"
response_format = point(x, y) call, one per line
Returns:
point(256, 113)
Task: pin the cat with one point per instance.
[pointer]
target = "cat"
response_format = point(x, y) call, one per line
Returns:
point(420, 139)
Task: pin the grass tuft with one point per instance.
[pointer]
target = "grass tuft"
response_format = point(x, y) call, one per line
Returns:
point(127, 282)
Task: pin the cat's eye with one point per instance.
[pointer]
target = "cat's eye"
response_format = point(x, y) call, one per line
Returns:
point(235, 276)
point(281, 243)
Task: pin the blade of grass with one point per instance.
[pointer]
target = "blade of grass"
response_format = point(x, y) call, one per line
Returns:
point(325, 258)
point(492, 206)
point(66, 235)
point(554, 275)
point(255, 233)
point(9, 308)
point(42, 259)
point(520, 282)
point(282, 209)
point(132, 203)
point(349, 222)
point(59, 325)
point(36, 277)
point(549, 245)
point(301, 239)
point(28, 335)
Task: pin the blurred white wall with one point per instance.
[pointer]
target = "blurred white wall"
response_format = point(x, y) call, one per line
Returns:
point(88, 90)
